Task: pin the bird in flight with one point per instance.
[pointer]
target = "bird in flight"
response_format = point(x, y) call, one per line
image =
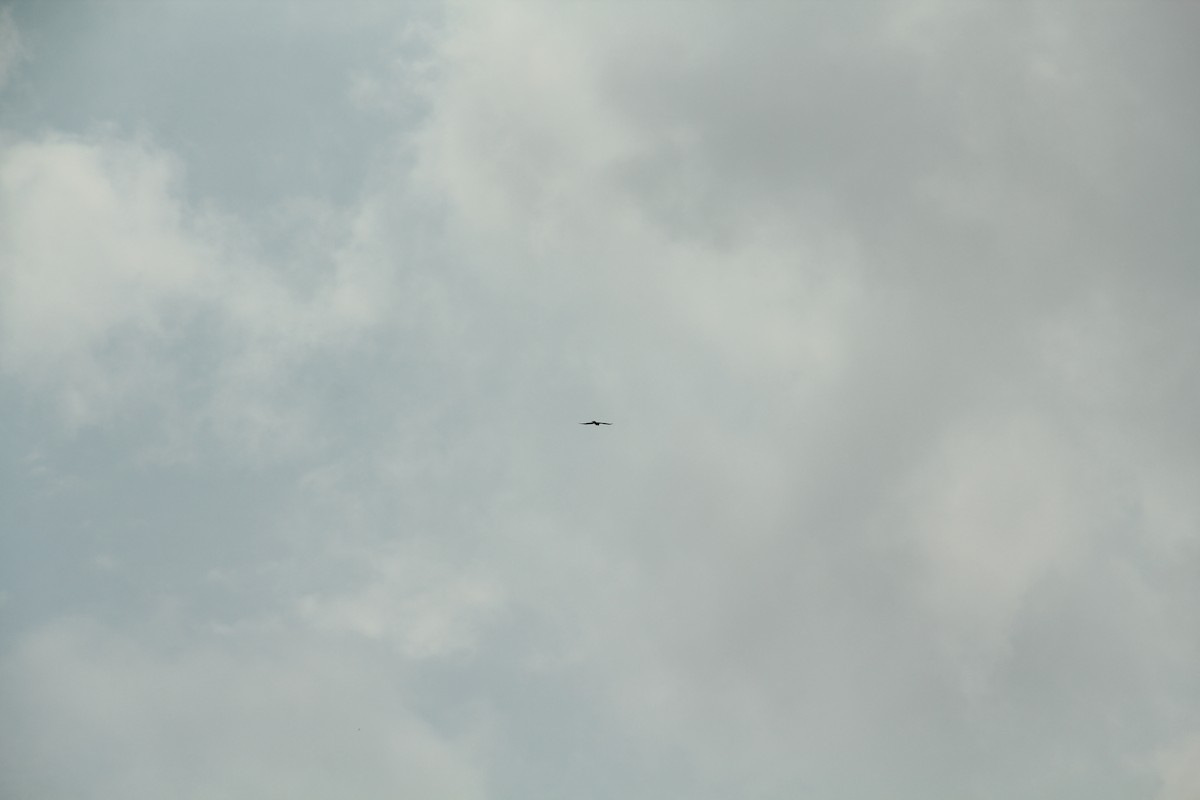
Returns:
point(594, 422)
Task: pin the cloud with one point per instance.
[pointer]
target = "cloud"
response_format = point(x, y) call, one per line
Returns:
point(93, 249)
point(119, 296)
point(891, 306)
point(877, 287)
point(1180, 774)
point(234, 715)
point(423, 608)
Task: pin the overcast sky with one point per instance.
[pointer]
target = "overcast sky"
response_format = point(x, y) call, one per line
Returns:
point(893, 307)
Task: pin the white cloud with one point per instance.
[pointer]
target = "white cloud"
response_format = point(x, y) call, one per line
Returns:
point(94, 252)
point(517, 130)
point(1179, 769)
point(235, 716)
point(422, 608)
point(999, 506)
point(119, 297)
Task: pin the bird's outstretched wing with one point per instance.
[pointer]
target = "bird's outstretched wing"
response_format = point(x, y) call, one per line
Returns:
point(604, 423)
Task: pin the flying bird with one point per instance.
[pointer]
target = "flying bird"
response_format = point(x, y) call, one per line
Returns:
point(594, 422)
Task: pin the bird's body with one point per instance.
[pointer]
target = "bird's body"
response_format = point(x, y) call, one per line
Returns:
point(594, 422)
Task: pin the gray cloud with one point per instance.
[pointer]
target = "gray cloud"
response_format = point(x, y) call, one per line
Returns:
point(891, 305)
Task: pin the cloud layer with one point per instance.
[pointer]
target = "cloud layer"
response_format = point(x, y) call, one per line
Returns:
point(891, 304)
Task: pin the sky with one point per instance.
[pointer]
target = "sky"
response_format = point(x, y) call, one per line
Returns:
point(892, 306)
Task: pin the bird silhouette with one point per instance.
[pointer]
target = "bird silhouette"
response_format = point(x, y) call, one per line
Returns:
point(594, 422)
